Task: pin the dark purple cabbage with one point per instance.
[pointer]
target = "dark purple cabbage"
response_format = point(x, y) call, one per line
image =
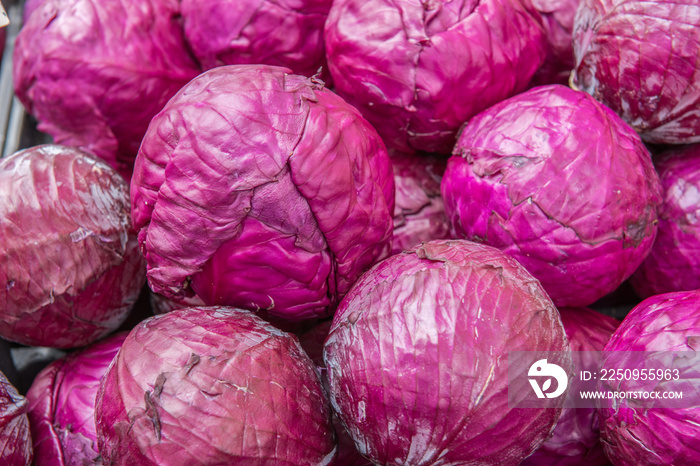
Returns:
point(15, 436)
point(674, 261)
point(274, 32)
point(62, 405)
point(641, 60)
point(417, 357)
point(94, 73)
point(634, 435)
point(576, 438)
point(558, 181)
point(70, 266)
point(418, 69)
point(419, 213)
point(213, 385)
point(261, 189)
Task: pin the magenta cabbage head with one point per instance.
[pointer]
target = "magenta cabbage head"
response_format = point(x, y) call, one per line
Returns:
point(62, 404)
point(70, 266)
point(641, 60)
point(263, 190)
point(213, 385)
point(419, 69)
point(674, 261)
point(417, 357)
point(633, 435)
point(16, 446)
point(576, 438)
point(94, 73)
point(419, 213)
point(558, 22)
point(235, 32)
point(562, 184)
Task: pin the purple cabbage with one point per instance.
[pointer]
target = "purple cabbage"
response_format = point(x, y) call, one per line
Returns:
point(213, 385)
point(69, 260)
point(576, 438)
point(419, 213)
point(418, 69)
point(62, 405)
point(260, 189)
point(637, 436)
point(417, 357)
point(674, 261)
point(15, 437)
point(641, 60)
point(558, 21)
point(285, 33)
point(562, 184)
point(94, 73)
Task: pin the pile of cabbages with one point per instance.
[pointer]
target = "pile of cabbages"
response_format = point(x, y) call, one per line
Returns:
point(312, 232)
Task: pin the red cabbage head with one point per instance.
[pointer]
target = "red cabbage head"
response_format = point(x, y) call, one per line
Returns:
point(94, 73)
point(417, 357)
point(419, 213)
point(418, 69)
point(62, 404)
point(16, 447)
point(213, 385)
point(674, 260)
point(562, 184)
point(70, 265)
point(285, 33)
point(641, 60)
point(259, 188)
point(634, 435)
point(576, 438)
point(558, 22)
